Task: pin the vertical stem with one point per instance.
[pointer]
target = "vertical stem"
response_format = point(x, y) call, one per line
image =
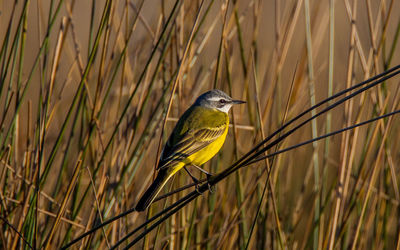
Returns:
point(313, 122)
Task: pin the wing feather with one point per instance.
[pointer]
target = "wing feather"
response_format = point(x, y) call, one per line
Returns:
point(190, 143)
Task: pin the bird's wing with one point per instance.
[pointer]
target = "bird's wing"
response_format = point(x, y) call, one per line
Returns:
point(188, 144)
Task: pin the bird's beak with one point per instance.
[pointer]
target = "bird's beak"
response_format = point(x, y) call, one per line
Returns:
point(238, 102)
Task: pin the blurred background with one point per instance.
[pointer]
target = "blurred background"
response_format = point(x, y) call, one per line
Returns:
point(90, 91)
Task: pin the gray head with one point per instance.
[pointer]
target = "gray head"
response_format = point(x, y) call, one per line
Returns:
point(216, 99)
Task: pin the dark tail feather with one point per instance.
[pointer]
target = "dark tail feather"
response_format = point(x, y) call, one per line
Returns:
point(151, 192)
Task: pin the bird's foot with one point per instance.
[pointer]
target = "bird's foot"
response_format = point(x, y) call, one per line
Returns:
point(210, 188)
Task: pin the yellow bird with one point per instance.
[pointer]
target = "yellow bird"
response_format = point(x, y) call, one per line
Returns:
point(196, 138)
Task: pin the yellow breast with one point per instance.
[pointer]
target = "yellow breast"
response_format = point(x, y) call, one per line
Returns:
point(205, 154)
point(206, 117)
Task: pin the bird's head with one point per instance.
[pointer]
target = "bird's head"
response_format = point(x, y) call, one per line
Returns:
point(217, 99)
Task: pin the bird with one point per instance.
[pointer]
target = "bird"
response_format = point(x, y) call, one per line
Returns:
point(198, 135)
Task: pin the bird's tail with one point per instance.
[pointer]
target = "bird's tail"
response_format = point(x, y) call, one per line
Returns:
point(151, 193)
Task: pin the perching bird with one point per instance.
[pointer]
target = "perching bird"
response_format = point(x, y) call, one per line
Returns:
point(196, 138)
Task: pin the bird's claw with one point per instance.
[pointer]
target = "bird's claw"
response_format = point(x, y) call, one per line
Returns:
point(196, 184)
point(197, 188)
point(210, 187)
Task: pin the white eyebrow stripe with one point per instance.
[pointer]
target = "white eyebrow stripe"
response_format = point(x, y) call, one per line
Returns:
point(215, 98)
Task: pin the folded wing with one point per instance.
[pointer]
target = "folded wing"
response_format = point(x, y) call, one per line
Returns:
point(187, 144)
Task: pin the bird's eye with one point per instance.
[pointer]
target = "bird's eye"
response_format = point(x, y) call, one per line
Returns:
point(222, 101)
